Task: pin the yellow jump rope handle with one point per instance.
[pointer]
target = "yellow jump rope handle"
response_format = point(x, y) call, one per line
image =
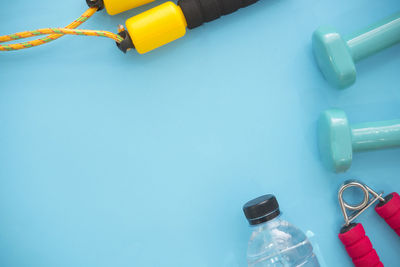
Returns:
point(156, 27)
point(114, 7)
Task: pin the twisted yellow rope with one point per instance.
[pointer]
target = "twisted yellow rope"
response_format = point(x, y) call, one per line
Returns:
point(55, 33)
point(60, 31)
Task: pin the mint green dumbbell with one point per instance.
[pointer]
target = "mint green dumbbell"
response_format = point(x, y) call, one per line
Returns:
point(338, 140)
point(336, 56)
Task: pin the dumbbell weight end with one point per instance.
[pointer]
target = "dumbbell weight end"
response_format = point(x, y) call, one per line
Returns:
point(338, 140)
point(336, 55)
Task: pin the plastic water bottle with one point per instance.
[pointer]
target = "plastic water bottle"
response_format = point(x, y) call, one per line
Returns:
point(275, 242)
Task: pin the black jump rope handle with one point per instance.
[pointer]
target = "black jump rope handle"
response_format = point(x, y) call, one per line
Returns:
point(197, 12)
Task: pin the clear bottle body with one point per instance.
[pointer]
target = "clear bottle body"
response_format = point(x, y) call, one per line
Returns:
point(277, 243)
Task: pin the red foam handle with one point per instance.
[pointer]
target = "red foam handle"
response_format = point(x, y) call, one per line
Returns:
point(359, 247)
point(390, 212)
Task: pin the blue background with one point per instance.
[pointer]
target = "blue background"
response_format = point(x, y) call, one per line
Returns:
point(112, 159)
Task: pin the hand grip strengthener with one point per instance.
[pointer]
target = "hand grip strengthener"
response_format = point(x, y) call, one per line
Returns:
point(352, 235)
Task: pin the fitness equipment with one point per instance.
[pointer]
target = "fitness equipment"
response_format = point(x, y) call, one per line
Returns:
point(144, 32)
point(352, 235)
point(338, 140)
point(336, 56)
point(167, 22)
point(114, 7)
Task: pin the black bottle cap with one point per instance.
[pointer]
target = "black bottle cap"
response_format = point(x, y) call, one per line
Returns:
point(261, 209)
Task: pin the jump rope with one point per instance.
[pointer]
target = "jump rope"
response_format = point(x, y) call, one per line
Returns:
point(168, 22)
point(144, 32)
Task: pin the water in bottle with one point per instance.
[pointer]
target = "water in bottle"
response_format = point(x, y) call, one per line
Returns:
point(275, 242)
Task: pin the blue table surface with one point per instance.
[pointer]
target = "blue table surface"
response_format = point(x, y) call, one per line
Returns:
point(112, 159)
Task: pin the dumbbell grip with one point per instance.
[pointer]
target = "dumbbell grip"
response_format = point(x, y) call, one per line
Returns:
point(375, 38)
point(390, 211)
point(375, 135)
point(359, 247)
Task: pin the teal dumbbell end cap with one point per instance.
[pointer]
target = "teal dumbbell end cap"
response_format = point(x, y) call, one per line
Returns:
point(335, 141)
point(333, 57)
